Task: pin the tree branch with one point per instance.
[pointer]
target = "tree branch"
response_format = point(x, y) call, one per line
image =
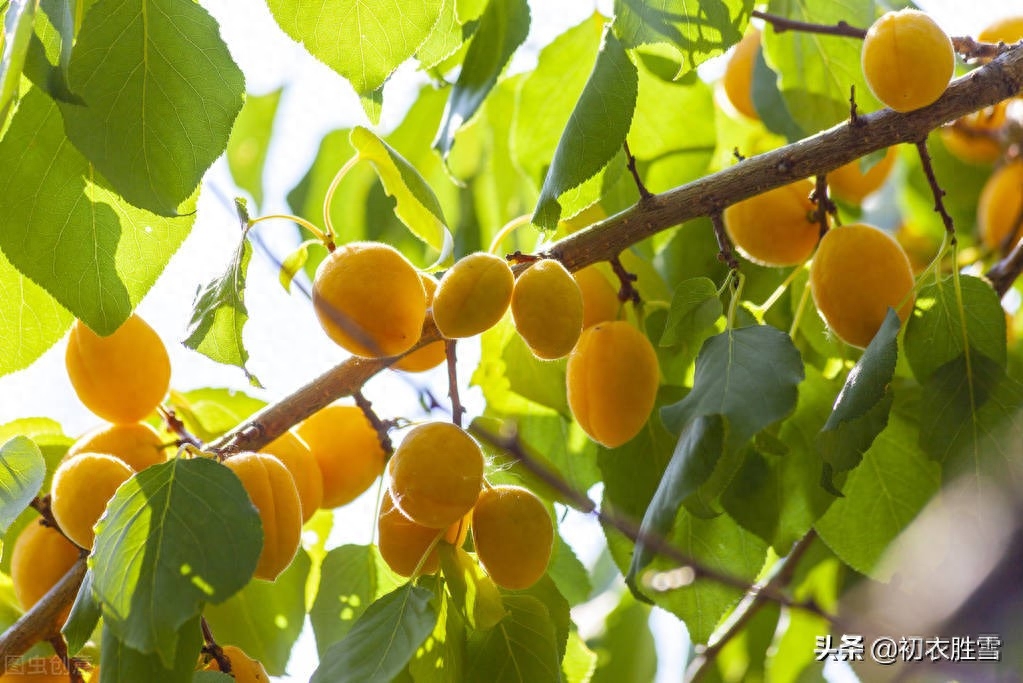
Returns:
point(782, 24)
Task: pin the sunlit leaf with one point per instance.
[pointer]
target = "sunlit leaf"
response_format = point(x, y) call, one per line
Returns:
point(121, 662)
point(85, 613)
point(17, 31)
point(250, 140)
point(22, 471)
point(520, 649)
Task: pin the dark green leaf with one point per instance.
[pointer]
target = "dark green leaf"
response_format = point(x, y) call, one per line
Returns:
point(694, 307)
point(596, 130)
point(85, 614)
point(626, 651)
point(441, 657)
point(17, 33)
point(161, 550)
point(502, 28)
point(161, 93)
point(22, 471)
point(120, 662)
point(265, 617)
point(557, 608)
point(568, 573)
point(521, 649)
point(791, 661)
point(382, 640)
point(769, 103)
point(249, 141)
point(67, 230)
point(212, 677)
point(219, 314)
point(364, 42)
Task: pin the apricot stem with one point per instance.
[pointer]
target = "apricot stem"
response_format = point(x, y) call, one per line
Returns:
point(507, 229)
point(328, 199)
point(319, 234)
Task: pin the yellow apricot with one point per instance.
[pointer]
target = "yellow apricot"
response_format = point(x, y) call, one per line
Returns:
point(777, 227)
point(974, 138)
point(40, 558)
point(850, 184)
point(907, 60)
point(513, 535)
point(244, 669)
point(403, 543)
point(347, 449)
point(431, 355)
point(273, 493)
point(82, 486)
point(738, 78)
point(436, 474)
point(859, 272)
point(370, 299)
point(1000, 206)
point(295, 455)
point(1006, 30)
point(600, 298)
point(612, 381)
point(42, 670)
point(547, 307)
point(138, 444)
point(121, 377)
point(473, 295)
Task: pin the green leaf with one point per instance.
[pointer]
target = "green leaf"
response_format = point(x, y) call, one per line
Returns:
point(746, 651)
point(17, 33)
point(441, 657)
point(352, 577)
point(791, 661)
point(521, 649)
point(475, 594)
point(68, 231)
point(626, 650)
point(694, 307)
point(502, 28)
point(22, 471)
point(121, 662)
point(158, 558)
point(161, 93)
point(219, 315)
point(770, 104)
point(382, 640)
point(945, 325)
point(28, 308)
point(881, 496)
point(596, 130)
point(85, 614)
point(568, 573)
point(417, 205)
point(209, 413)
point(265, 617)
point(445, 38)
point(579, 661)
point(542, 382)
point(365, 41)
point(249, 142)
point(212, 677)
point(695, 32)
point(861, 409)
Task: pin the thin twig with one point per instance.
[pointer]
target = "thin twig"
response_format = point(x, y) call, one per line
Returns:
point(974, 49)
point(382, 428)
point(854, 117)
point(59, 646)
point(726, 254)
point(932, 180)
point(782, 24)
point(631, 165)
point(212, 648)
point(177, 426)
point(823, 201)
point(626, 290)
point(456, 404)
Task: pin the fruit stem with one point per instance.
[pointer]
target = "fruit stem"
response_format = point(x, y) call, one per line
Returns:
point(426, 554)
point(738, 280)
point(328, 199)
point(763, 308)
point(507, 229)
point(319, 234)
point(797, 316)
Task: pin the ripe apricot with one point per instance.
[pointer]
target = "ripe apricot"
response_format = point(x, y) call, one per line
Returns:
point(431, 355)
point(859, 272)
point(436, 474)
point(40, 558)
point(82, 486)
point(777, 227)
point(370, 299)
point(403, 542)
point(1000, 206)
point(612, 381)
point(301, 464)
point(547, 307)
point(42, 670)
point(1006, 30)
point(513, 535)
point(974, 138)
point(273, 493)
point(738, 78)
point(473, 295)
point(245, 669)
point(907, 60)
point(121, 377)
point(851, 184)
point(600, 299)
point(138, 444)
point(347, 449)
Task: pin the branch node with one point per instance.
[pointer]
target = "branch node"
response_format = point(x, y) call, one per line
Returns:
point(381, 426)
point(726, 254)
point(631, 165)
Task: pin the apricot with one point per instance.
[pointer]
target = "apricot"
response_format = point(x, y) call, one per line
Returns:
point(295, 455)
point(273, 493)
point(851, 184)
point(612, 379)
point(431, 355)
point(121, 377)
point(1006, 30)
point(370, 299)
point(974, 138)
point(42, 670)
point(907, 60)
point(738, 78)
point(436, 474)
point(513, 535)
point(858, 273)
point(777, 227)
point(600, 298)
point(473, 295)
point(547, 307)
point(40, 558)
point(403, 543)
point(82, 486)
point(137, 444)
point(1000, 206)
point(347, 450)
point(245, 669)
